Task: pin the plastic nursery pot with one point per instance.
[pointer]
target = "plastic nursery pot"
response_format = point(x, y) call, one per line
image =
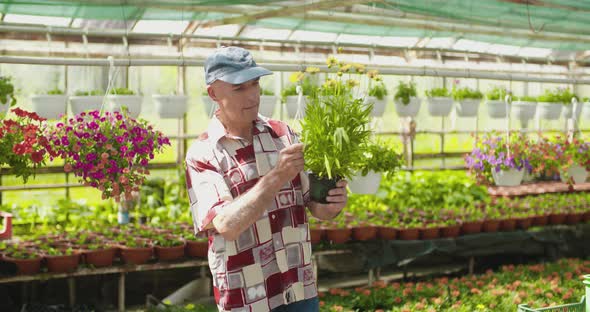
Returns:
point(319, 187)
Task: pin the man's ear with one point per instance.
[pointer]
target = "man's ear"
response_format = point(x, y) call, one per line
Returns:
point(211, 91)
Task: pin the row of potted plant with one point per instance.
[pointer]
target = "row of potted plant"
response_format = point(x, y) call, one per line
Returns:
point(537, 286)
point(128, 245)
point(510, 159)
point(368, 217)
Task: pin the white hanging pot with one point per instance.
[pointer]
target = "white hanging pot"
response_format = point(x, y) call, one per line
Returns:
point(49, 106)
point(170, 106)
point(569, 109)
point(79, 104)
point(496, 109)
point(528, 176)
point(209, 105)
point(586, 110)
point(548, 110)
point(576, 172)
point(524, 111)
point(408, 110)
point(132, 102)
point(292, 106)
point(440, 106)
point(510, 177)
point(267, 105)
point(468, 107)
point(368, 184)
point(378, 105)
point(4, 107)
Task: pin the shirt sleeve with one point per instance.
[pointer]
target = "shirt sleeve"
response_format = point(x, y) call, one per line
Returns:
point(208, 193)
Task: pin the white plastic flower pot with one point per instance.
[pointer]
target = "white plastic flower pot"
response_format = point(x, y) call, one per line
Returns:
point(510, 177)
point(170, 106)
point(49, 106)
point(576, 172)
point(79, 104)
point(209, 105)
point(267, 105)
point(569, 109)
point(131, 102)
point(368, 184)
point(440, 106)
point(524, 111)
point(496, 109)
point(586, 110)
point(549, 111)
point(408, 110)
point(378, 105)
point(468, 107)
point(528, 176)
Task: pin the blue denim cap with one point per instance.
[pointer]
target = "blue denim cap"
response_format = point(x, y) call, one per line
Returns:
point(233, 65)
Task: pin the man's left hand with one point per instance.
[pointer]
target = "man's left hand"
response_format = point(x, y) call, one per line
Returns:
point(337, 199)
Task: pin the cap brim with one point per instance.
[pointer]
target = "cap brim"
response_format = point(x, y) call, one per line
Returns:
point(242, 76)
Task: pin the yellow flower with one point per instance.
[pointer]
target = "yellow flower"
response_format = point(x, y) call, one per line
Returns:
point(312, 70)
point(296, 77)
point(481, 307)
point(331, 61)
point(339, 49)
point(352, 83)
point(360, 68)
point(372, 74)
point(339, 74)
point(345, 68)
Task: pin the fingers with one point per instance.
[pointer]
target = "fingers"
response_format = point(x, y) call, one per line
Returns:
point(336, 199)
point(342, 183)
point(293, 148)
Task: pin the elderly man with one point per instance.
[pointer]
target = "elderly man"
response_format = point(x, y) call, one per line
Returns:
point(248, 192)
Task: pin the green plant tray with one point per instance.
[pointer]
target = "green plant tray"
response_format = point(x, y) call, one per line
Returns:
point(571, 307)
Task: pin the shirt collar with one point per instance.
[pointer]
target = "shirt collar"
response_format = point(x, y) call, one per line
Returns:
point(216, 130)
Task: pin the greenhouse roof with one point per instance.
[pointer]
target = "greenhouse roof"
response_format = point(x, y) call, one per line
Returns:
point(526, 28)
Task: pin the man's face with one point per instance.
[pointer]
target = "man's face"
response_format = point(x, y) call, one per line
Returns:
point(238, 103)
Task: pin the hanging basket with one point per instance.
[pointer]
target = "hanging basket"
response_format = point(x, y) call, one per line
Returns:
point(267, 105)
point(79, 104)
point(496, 109)
point(524, 111)
point(549, 111)
point(49, 106)
point(586, 110)
point(292, 106)
point(468, 108)
point(378, 105)
point(131, 102)
point(368, 184)
point(440, 106)
point(568, 110)
point(170, 106)
point(408, 110)
point(510, 177)
point(576, 173)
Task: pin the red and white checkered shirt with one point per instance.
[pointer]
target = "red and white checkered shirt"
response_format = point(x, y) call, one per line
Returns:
point(270, 263)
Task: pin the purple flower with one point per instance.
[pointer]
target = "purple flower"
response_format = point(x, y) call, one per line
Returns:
point(119, 139)
point(65, 141)
point(144, 162)
point(123, 149)
point(91, 157)
point(93, 125)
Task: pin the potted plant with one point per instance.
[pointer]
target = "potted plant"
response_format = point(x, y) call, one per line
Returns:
point(208, 104)
point(168, 247)
point(23, 146)
point(377, 93)
point(135, 250)
point(316, 231)
point(406, 102)
point(170, 105)
point(7, 98)
point(108, 152)
point(550, 105)
point(524, 109)
point(335, 129)
point(440, 102)
point(268, 102)
point(568, 98)
point(493, 157)
point(338, 232)
point(51, 105)
point(27, 261)
point(196, 246)
point(496, 98)
point(120, 98)
point(98, 254)
point(574, 159)
point(83, 101)
point(467, 100)
point(289, 96)
point(379, 156)
point(61, 260)
point(472, 220)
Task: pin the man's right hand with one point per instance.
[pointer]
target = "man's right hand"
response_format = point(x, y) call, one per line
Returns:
point(290, 162)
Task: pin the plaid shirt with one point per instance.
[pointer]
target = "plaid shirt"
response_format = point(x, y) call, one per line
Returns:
point(270, 263)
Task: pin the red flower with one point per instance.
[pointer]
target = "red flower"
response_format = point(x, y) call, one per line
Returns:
point(37, 157)
point(19, 149)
